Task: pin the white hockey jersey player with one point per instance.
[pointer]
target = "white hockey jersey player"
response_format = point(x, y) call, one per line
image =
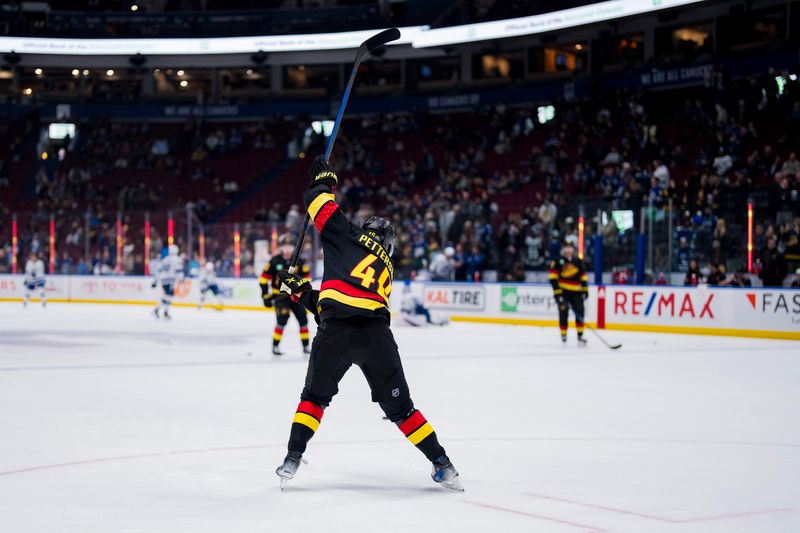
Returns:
point(34, 278)
point(413, 312)
point(208, 283)
point(168, 274)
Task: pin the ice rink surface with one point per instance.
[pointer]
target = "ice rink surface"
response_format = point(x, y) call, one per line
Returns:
point(113, 422)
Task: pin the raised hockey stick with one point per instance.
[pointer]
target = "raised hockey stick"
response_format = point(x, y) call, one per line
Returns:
point(609, 346)
point(379, 39)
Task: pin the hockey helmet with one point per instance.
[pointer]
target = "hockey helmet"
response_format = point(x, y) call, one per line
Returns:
point(210, 266)
point(285, 240)
point(173, 249)
point(383, 232)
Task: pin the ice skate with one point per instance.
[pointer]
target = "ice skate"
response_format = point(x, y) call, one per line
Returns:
point(166, 316)
point(306, 351)
point(276, 350)
point(289, 467)
point(581, 341)
point(445, 474)
point(156, 313)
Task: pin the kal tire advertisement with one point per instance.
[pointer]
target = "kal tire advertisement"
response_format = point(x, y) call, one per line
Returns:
point(452, 297)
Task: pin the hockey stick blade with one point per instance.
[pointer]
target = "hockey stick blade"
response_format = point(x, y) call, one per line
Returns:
point(384, 37)
point(607, 345)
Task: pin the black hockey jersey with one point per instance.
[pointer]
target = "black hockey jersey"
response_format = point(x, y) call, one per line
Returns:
point(269, 277)
point(358, 273)
point(568, 275)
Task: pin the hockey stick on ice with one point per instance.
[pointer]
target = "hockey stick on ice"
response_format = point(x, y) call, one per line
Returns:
point(609, 346)
point(379, 39)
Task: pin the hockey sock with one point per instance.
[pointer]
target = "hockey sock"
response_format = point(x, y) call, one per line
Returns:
point(579, 326)
point(305, 424)
point(166, 300)
point(563, 332)
point(421, 434)
point(304, 335)
point(277, 335)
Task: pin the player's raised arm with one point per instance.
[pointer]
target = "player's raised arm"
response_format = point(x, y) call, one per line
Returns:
point(320, 201)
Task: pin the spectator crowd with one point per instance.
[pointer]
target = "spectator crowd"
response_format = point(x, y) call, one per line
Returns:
point(495, 189)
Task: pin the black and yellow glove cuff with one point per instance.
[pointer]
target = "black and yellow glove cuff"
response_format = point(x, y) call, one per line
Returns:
point(328, 175)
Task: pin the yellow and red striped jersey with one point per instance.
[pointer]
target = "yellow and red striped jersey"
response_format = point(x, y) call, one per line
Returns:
point(358, 273)
point(269, 277)
point(568, 275)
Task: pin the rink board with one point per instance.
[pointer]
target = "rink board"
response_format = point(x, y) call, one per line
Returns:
point(746, 312)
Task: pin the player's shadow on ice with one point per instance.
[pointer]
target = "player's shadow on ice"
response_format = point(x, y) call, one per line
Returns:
point(368, 489)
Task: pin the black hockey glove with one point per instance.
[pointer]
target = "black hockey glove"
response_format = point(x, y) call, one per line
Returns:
point(268, 303)
point(293, 285)
point(559, 299)
point(322, 172)
point(585, 295)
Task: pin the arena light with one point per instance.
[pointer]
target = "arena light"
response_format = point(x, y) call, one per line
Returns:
point(749, 236)
point(546, 22)
point(147, 243)
point(417, 36)
point(52, 244)
point(110, 72)
point(580, 237)
point(76, 72)
point(14, 244)
point(196, 46)
point(118, 268)
point(236, 252)
point(38, 72)
point(170, 229)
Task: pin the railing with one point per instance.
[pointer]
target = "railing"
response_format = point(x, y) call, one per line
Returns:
point(648, 245)
point(126, 242)
point(652, 243)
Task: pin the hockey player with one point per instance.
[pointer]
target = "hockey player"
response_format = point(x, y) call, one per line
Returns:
point(34, 279)
point(570, 288)
point(208, 283)
point(352, 310)
point(169, 273)
point(413, 311)
point(273, 297)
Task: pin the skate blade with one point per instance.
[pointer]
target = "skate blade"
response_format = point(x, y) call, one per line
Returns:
point(454, 485)
point(284, 481)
